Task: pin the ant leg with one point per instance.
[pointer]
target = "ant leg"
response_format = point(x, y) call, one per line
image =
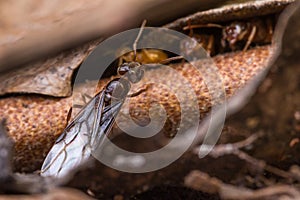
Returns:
point(171, 59)
point(210, 25)
point(210, 45)
point(77, 106)
point(270, 30)
point(69, 115)
point(85, 98)
point(250, 38)
point(121, 60)
point(191, 33)
point(146, 53)
point(139, 91)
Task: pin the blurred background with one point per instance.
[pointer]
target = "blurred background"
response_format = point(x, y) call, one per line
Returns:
point(33, 29)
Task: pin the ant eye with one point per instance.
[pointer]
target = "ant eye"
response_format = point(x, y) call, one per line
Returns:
point(232, 30)
point(123, 69)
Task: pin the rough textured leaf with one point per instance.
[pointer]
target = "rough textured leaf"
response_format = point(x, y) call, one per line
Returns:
point(232, 12)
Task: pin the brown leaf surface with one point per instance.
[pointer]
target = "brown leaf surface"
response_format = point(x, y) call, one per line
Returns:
point(33, 29)
point(50, 76)
point(232, 12)
point(35, 121)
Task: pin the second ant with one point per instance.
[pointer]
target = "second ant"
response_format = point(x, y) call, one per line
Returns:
point(237, 35)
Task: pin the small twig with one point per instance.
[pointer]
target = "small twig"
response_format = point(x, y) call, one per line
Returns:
point(209, 25)
point(295, 170)
point(203, 182)
point(263, 165)
point(166, 61)
point(223, 149)
point(234, 149)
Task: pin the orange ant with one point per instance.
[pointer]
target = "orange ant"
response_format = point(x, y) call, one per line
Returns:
point(144, 56)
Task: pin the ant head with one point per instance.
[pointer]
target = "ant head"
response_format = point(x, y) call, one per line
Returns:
point(133, 71)
point(234, 32)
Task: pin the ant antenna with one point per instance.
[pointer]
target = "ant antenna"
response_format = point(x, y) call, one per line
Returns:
point(138, 37)
point(210, 25)
point(166, 61)
point(190, 27)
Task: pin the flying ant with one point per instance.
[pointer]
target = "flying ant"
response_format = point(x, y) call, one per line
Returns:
point(85, 133)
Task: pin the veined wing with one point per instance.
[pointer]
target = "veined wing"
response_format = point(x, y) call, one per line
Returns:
point(74, 145)
point(107, 121)
point(84, 134)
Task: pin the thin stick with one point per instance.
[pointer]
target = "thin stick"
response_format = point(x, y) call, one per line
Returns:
point(171, 59)
point(138, 37)
point(250, 38)
point(191, 30)
point(202, 26)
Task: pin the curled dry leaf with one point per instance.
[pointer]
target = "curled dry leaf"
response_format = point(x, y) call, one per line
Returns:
point(52, 76)
point(33, 29)
point(34, 121)
point(232, 12)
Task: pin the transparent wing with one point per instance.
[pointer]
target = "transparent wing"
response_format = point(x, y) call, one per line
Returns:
point(107, 121)
point(74, 145)
point(84, 134)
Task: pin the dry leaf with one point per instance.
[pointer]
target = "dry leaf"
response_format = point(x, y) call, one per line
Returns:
point(33, 29)
point(52, 76)
point(232, 12)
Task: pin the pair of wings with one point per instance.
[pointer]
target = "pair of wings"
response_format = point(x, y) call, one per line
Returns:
point(83, 135)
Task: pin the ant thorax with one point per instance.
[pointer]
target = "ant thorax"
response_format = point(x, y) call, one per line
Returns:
point(115, 90)
point(132, 71)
